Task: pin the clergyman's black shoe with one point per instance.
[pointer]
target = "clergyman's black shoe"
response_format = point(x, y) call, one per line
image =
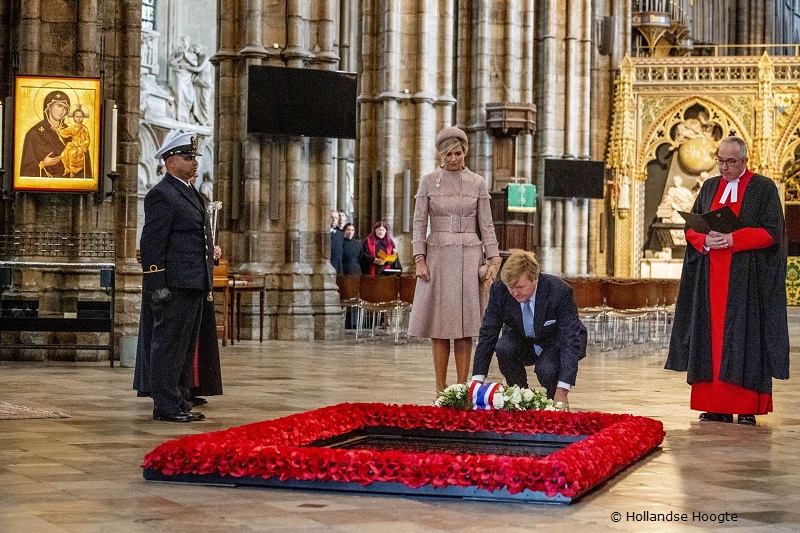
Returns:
point(747, 420)
point(197, 400)
point(716, 417)
point(177, 417)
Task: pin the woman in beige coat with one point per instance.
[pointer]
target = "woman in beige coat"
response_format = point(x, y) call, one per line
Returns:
point(453, 203)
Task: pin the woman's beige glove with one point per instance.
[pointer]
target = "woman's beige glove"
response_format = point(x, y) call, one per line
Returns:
point(492, 267)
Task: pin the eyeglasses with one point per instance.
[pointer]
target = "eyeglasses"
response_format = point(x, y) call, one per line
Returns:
point(188, 157)
point(728, 162)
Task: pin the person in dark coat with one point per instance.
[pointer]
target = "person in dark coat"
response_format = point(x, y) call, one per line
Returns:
point(337, 240)
point(730, 333)
point(539, 322)
point(378, 243)
point(177, 254)
point(351, 251)
point(207, 372)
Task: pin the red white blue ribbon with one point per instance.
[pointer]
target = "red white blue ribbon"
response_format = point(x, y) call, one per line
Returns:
point(482, 393)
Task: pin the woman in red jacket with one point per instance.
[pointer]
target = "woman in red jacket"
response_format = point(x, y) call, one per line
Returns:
point(378, 253)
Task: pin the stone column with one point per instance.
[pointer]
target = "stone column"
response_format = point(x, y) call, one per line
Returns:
point(122, 67)
point(547, 105)
point(444, 80)
point(525, 145)
point(479, 91)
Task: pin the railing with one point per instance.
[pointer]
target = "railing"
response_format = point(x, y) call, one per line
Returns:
point(724, 50)
point(85, 245)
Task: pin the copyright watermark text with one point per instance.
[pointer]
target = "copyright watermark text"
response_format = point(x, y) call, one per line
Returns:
point(671, 516)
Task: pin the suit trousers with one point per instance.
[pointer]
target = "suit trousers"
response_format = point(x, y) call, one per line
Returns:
point(514, 352)
point(176, 325)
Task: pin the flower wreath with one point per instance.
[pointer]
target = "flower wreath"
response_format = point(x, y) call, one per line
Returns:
point(484, 396)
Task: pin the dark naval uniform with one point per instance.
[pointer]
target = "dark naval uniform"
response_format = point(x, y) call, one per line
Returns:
point(177, 260)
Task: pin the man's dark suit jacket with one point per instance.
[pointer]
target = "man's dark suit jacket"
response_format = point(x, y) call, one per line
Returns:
point(556, 325)
point(337, 249)
point(176, 243)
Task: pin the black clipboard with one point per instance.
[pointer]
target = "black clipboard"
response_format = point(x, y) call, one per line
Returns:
point(722, 220)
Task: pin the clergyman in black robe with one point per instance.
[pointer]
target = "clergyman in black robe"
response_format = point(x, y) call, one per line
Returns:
point(734, 342)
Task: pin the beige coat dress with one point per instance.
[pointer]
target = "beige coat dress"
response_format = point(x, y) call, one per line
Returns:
point(455, 206)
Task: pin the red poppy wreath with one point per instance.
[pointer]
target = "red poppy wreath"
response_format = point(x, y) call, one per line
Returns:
point(551, 456)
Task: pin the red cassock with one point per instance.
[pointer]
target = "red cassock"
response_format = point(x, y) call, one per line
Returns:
point(718, 396)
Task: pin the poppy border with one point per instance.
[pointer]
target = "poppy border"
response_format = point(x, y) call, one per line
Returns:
point(279, 453)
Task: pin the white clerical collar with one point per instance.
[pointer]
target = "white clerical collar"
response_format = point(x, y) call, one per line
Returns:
point(732, 190)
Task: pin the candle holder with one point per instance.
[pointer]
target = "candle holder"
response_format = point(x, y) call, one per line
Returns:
point(99, 196)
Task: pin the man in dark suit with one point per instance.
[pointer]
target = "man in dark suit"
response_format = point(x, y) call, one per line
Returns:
point(337, 242)
point(177, 259)
point(539, 323)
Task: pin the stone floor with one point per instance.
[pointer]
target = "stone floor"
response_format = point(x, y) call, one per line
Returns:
point(82, 474)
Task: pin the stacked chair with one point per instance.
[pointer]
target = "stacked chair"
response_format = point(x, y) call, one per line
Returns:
point(633, 308)
point(669, 295)
point(348, 292)
point(591, 302)
point(408, 284)
point(378, 297)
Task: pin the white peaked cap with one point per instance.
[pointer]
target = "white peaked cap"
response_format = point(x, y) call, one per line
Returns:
point(183, 144)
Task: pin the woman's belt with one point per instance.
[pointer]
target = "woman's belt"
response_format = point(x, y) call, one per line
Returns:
point(453, 224)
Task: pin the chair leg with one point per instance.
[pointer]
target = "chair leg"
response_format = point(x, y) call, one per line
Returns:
point(397, 317)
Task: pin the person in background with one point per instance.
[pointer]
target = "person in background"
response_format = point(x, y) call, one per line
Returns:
point(731, 333)
point(351, 251)
point(337, 238)
point(454, 203)
point(377, 244)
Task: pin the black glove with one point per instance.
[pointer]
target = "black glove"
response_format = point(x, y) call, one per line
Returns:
point(161, 296)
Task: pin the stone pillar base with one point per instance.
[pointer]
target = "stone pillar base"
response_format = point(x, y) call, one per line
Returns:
point(308, 308)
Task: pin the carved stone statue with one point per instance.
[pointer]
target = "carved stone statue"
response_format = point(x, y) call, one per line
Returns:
point(203, 80)
point(677, 198)
point(181, 60)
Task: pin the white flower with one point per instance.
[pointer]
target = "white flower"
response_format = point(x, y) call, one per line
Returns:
point(549, 408)
point(497, 400)
point(516, 396)
point(527, 395)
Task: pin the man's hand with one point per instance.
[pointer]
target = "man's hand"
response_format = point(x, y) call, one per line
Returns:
point(217, 252)
point(561, 396)
point(717, 241)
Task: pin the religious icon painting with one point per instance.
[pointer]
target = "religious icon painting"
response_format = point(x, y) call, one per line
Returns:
point(56, 134)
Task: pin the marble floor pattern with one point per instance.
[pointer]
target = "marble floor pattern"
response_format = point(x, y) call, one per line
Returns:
point(82, 474)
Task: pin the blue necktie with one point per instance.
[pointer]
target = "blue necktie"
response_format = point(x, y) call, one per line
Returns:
point(527, 318)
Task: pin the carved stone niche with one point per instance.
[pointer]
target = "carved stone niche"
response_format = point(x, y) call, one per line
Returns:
point(506, 120)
